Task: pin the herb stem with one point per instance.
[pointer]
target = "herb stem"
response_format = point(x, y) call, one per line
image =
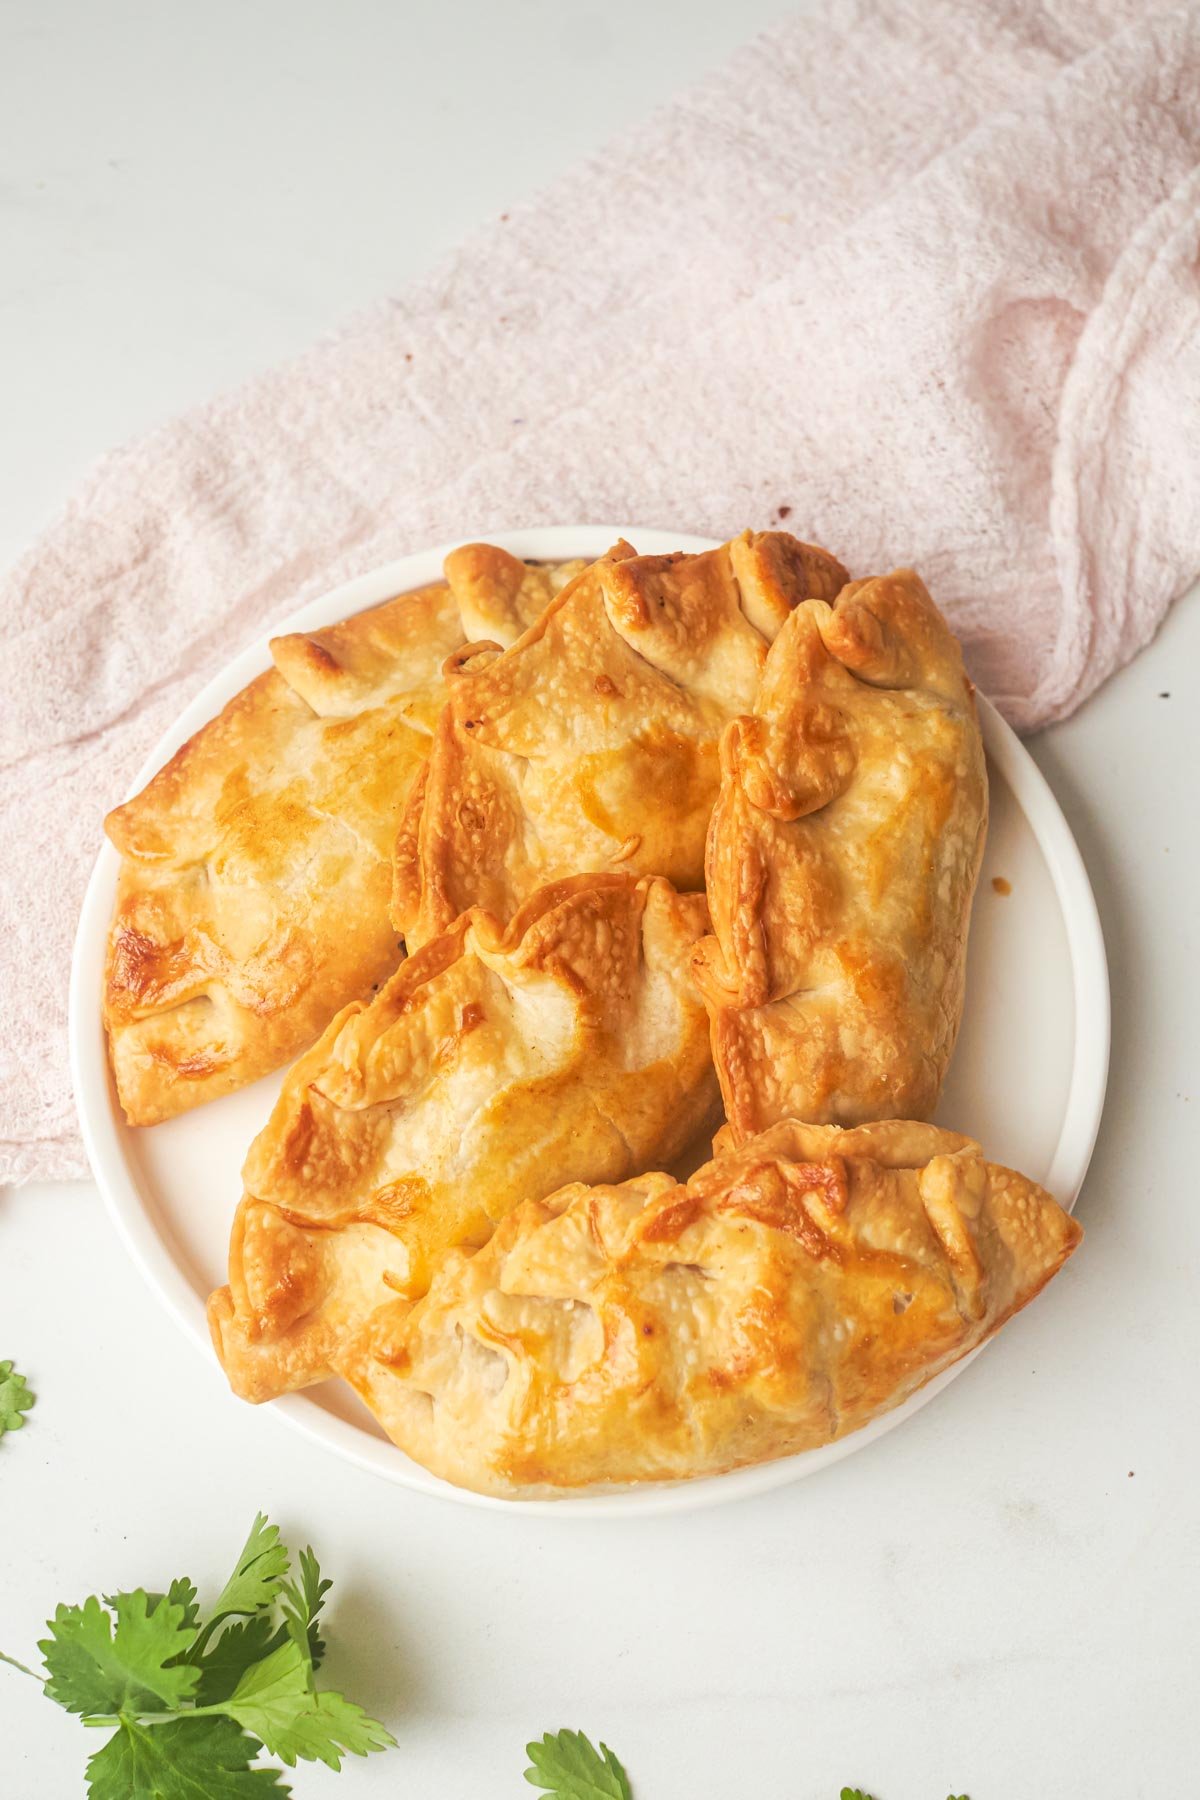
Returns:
point(160, 1718)
point(14, 1664)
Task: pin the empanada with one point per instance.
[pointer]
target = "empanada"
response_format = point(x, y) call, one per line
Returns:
point(591, 744)
point(791, 1292)
point(255, 883)
point(842, 858)
point(493, 1065)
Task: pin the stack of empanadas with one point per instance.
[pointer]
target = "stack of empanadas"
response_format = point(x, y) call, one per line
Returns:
point(549, 861)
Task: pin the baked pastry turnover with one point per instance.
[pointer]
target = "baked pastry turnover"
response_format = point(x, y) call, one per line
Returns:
point(789, 1293)
point(520, 776)
point(591, 743)
point(493, 1064)
point(256, 866)
point(842, 859)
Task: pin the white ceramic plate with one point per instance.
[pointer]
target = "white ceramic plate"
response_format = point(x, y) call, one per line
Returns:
point(1027, 1080)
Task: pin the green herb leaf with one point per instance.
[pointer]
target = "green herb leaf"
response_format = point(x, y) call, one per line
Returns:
point(190, 1759)
point(302, 1602)
point(16, 1398)
point(193, 1703)
point(259, 1574)
point(324, 1729)
point(92, 1668)
point(239, 1646)
point(275, 1700)
point(182, 1592)
point(249, 1641)
point(271, 1692)
point(567, 1765)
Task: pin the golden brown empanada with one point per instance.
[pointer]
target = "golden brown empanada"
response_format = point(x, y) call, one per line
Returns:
point(791, 1292)
point(492, 1065)
point(255, 882)
point(842, 859)
point(591, 744)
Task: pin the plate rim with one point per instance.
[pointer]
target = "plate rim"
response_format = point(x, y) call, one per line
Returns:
point(150, 1248)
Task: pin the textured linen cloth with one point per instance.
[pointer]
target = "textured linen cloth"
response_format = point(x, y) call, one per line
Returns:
point(919, 279)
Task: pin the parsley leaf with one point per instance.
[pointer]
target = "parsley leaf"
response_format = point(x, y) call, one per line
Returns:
point(302, 1601)
point(92, 1668)
point(276, 1701)
point(567, 1765)
point(16, 1398)
point(259, 1574)
point(272, 1693)
point(193, 1702)
point(242, 1643)
point(190, 1759)
point(182, 1592)
point(249, 1641)
point(331, 1727)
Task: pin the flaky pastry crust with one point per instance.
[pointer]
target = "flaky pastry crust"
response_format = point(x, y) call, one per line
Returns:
point(492, 1064)
point(842, 858)
point(591, 743)
point(792, 1291)
point(519, 763)
point(254, 891)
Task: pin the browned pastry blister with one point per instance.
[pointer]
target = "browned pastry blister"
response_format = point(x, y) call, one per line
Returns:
point(792, 1291)
point(495, 1062)
point(255, 883)
point(591, 743)
point(842, 858)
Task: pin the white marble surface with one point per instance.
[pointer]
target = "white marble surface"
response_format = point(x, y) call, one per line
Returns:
point(998, 1599)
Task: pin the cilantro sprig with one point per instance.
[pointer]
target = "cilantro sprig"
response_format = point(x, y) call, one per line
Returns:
point(192, 1702)
point(566, 1765)
point(16, 1398)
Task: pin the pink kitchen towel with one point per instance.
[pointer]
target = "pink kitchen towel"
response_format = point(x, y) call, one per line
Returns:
point(920, 279)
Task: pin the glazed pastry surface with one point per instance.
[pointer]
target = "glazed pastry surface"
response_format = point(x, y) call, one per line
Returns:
point(492, 1064)
point(591, 743)
point(532, 869)
point(255, 884)
point(793, 1290)
point(842, 859)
